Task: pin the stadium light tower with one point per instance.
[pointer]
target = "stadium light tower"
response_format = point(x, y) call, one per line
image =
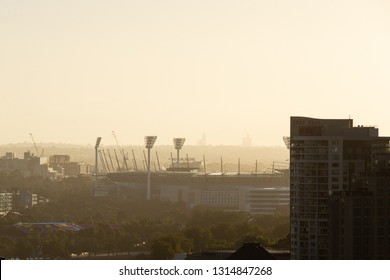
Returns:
point(96, 160)
point(178, 142)
point(149, 142)
point(286, 140)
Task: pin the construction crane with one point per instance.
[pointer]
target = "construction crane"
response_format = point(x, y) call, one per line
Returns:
point(35, 145)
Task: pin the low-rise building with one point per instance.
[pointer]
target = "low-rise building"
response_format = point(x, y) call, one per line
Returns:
point(256, 200)
point(6, 200)
point(30, 165)
point(75, 168)
point(23, 200)
point(67, 168)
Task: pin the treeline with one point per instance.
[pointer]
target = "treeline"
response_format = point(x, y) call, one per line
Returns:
point(162, 237)
point(116, 224)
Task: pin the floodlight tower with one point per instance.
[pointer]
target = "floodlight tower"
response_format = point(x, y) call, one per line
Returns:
point(286, 140)
point(149, 142)
point(96, 160)
point(178, 142)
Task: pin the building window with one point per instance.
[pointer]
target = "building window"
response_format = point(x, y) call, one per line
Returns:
point(334, 149)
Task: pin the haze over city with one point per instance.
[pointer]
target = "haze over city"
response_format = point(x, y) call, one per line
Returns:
point(72, 70)
point(272, 128)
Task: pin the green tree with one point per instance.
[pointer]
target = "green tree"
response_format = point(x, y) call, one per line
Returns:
point(86, 240)
point(253, 237)
point(23, 249)
point(179, 243)
point(201, 237)
point(283, 243)
point(54, 249)
point(7, 247)
point(162, 250)
point(223, 231)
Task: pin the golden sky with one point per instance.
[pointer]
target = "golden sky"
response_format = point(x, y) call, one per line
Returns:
point(74, 70)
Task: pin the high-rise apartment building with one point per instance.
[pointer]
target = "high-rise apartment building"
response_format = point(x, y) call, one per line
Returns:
point(339, 190)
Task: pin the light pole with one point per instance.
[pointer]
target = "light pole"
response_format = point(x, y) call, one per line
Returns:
point(178, 142)
point(286, 140)
point(96, 160)
point(149, 142)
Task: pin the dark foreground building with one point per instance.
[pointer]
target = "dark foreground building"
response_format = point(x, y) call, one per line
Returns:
point(248, 251)
point(339, 190)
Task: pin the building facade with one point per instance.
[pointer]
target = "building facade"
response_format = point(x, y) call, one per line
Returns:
point(266, 200)
point(257, 193)
point(5, 202)
point(67, 168)
point(339, 190)
point(22, 200)
point(30, 165)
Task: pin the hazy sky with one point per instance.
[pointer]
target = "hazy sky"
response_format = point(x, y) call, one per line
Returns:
point(74, 70)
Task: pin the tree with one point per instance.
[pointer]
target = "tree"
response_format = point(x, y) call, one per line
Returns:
point(23, 249)
point(253, 237)
point(86, 240)
point(162, 250)
point(223, 231)
point(7, 247)
point(178, 242)
point(281, 230)
point(284, 243)
point(201, 237)
point(55, 249)
point(126, 242)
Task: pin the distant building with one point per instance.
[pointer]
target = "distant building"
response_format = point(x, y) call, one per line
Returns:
point(67, 168)
point(202, 141)
point(256, 200)
point(23, 200)
point(254, 193)
point(55, 160)
point(186, 165)
point(103, 190)
point(19, 200)
point(340, 194)
point(247, 141)
point(6, 201)
point(30, 165)
point(75, 168)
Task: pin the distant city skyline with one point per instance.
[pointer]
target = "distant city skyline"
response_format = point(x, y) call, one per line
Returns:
point(74, 70)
